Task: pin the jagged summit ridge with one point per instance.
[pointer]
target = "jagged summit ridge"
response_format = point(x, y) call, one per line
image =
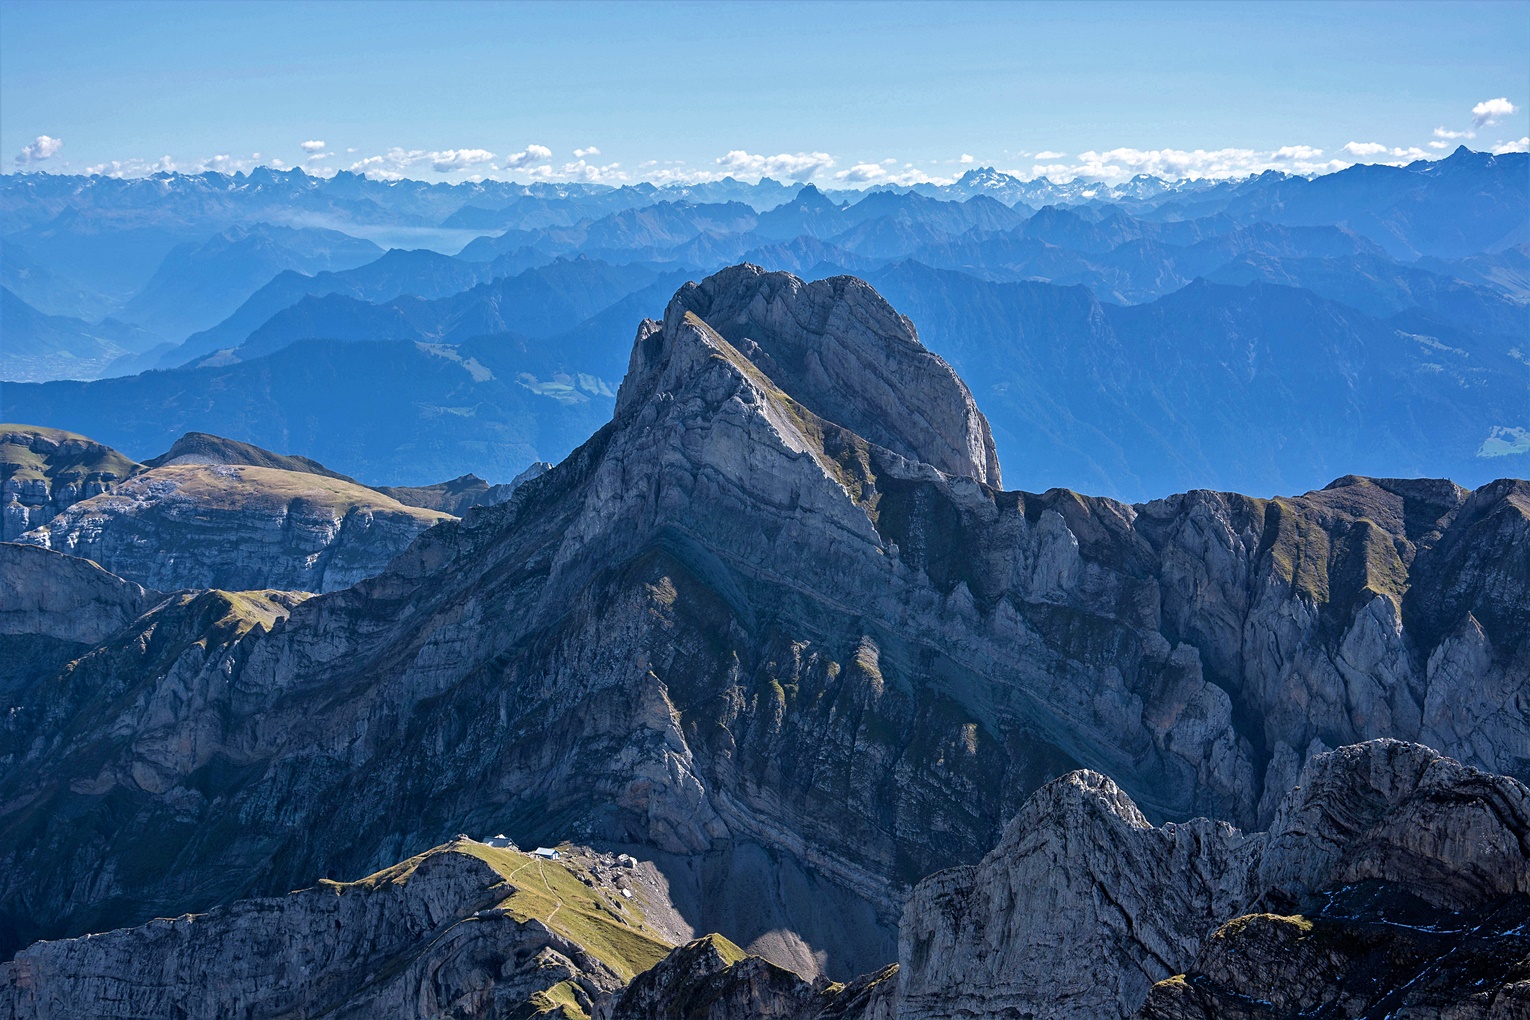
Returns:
point(845, 354)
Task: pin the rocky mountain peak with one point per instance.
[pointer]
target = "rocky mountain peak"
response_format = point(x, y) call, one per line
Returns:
point(205, 448)
point(845, 354)
point(1083, 904)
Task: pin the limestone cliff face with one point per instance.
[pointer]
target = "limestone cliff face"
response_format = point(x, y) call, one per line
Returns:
point(65, 599)
point(44, 471)
point(730, 620)
point(1084, 905)
point(54, 609)
point(236, 527)
point(1079, 908)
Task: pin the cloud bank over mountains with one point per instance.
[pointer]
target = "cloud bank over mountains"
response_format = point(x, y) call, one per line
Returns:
point(538, 161)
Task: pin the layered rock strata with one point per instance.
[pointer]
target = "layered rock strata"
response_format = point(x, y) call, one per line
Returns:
point(729, 620)
point(45, 471)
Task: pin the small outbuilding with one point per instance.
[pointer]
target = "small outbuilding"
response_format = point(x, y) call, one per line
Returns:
point(547, 853)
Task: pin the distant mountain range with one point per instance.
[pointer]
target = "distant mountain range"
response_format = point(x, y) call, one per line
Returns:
point(1133, 338)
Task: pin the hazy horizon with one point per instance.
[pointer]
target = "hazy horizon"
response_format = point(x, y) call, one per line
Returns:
point(683, 93)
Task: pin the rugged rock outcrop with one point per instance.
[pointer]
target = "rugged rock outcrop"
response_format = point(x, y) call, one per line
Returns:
point(458, 495)
point(713, 979)
point(237, 527)
point(464, 930)
point(1084, 905)
point(64, 598)
point(211, 512)
point(1417, 964)
point(45, 471)
point(730, 621)
point(1411, 872)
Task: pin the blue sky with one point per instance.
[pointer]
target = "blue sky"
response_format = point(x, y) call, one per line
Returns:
point(843, 94)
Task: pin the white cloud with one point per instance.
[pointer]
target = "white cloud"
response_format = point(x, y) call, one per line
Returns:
point(43, 147)
point(965, 158)
point(1441, 132)
point(136, 167)
point(611, 173)
point(222, 163)
point(861, 173)
point(1169, 163)
point(1439, 145)
point(1523, 145)
point(581, 153)
point(799, 166)
point(1049, 154)
point(1362, 149)
point(533, 153)
point(876, 173)
point(458, 159)
point(909, 176)
point(1489, 110)
point(390, 166)
point(312, 146)
point(1116, 165)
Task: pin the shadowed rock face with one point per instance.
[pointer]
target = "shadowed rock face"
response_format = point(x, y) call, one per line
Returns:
point(1084, 905)
point(54, 609)
point(727, 620)
point(712, 979)
point(1429, 965)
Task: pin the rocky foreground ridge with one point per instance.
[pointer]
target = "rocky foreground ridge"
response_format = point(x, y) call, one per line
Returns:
point(1393, 880)
point(733, 630)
